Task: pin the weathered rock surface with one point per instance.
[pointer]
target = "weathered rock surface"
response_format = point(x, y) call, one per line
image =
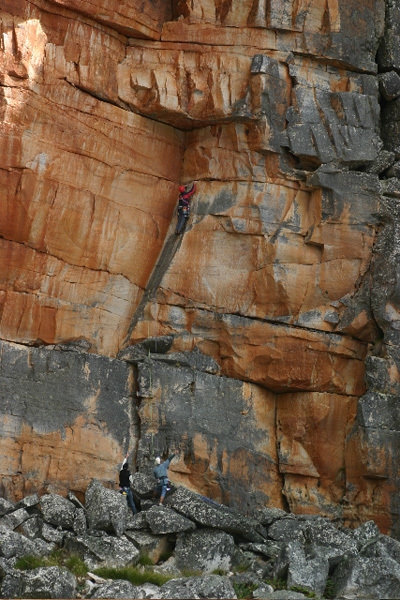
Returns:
point(278, 308)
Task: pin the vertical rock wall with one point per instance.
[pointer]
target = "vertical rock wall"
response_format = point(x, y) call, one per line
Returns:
point(286, 114)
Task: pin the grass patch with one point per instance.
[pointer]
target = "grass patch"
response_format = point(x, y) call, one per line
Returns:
point(57, 558)
point(245, 590)
point(132, 574)
point(145, 560)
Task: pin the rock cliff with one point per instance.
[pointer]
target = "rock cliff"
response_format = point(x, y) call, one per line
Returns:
point(263, 343)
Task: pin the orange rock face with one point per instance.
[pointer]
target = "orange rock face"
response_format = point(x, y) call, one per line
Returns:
point(279, 278)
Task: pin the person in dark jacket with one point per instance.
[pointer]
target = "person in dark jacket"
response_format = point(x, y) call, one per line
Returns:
point(125, 480)
point(184, 206)
point(160, 472)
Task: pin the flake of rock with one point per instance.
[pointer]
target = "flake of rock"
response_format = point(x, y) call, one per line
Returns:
point(152, 546)
point(118, 588)
point(210, 514)
point(28, 501)
point(57, 510)
point(210, 586)
point(14, 519)
point(323, 533)
point(204, 550)
point(5, 507)
point(104, 550)
point(106, 509)
point(363, 577)
point(162, 520)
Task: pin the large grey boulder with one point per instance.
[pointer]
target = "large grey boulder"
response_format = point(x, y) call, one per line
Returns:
point(44, 582)
point(14, 544)
point(106, 509)
point(287, 530)
point(266, 516)
point(119, 588)
point(309, 572)
point(362, 577)
point(162, 520)
point(57, 511)
point(211, 586)
point(211, 514)
point(204, 550)
point(143, 485)
point(103, 550)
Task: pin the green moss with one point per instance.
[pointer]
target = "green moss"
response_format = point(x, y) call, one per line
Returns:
point(57, 558)
point(134, 575)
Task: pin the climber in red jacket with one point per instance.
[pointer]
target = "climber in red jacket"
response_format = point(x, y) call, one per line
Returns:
point(185, 193)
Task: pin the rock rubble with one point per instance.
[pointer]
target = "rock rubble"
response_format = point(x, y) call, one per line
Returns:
point(208, 550)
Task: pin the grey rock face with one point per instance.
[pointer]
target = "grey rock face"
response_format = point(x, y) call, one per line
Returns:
point(212, 586)
point(106, 509)
point(204, 550)
point(57, 510)
point(164, 520)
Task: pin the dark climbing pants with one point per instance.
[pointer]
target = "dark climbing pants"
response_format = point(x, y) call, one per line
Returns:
point(129, 499)
point(182, 220)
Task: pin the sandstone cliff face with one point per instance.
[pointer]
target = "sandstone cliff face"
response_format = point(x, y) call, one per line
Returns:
point(286, 276)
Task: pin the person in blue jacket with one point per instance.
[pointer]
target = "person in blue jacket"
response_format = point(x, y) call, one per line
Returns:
point(160, 472)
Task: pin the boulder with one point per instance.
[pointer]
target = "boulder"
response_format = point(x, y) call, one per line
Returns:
point(106, 509)
point(44, 582)
point(14, 544)
point(104, 550)
point(162, 519)
point(362, 577)
point(57, 510)
point(32, 527)
point(210, 514)
point(6, 507)
point(211, 586)
point(309, 572)
point(52, 534)
point(143, 485)
point(204, 550)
